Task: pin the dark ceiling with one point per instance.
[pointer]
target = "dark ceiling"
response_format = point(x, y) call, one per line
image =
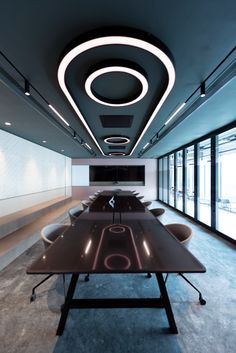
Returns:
point(196, 38)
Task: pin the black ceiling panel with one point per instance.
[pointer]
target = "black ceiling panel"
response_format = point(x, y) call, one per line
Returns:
point(116, 147)
point(116, 121)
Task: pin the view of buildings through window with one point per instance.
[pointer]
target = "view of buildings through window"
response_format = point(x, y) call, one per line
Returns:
point(179, 167)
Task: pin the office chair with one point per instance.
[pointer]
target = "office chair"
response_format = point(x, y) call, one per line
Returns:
point(85, 204)
point(157, 212)
point(75, 212)
point(147, 203)
point(49, 234)
point(183, 234)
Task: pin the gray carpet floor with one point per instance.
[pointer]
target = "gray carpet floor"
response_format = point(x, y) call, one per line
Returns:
point(30, 327)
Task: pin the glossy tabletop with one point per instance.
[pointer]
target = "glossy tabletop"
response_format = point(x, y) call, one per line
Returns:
point(107, 242)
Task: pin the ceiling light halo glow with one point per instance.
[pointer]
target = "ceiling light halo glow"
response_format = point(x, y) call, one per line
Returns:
point(116, 40)
point(116, 154)
point(112, 140)
point(124, 69)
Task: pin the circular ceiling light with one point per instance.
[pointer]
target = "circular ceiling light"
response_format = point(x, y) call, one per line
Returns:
point(113, 102)
point(129, 41)
point(116, 140)
point(117, 154)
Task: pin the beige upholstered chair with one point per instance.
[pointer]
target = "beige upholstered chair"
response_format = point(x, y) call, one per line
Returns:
point(85, 203)
point(49, 234)
point(183, 234)
point(147, 203)
point(75, 212)
point(157, 212)
point(181, 231)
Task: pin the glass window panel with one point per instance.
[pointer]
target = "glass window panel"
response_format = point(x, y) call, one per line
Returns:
point(204, 181)
point(179, 180)
point(189, 180)
point(226, 183)
point(171, 180)
point(160, 180)
point(165, 179)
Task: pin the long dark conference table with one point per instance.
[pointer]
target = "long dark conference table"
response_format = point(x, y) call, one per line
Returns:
point(116, 234)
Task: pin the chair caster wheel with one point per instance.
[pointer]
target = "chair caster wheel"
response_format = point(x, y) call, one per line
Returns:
point(149, 275)
point(202, 301)
point(86, 278)
point(32, 298)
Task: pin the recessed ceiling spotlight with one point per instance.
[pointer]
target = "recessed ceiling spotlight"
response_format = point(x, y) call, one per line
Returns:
point(44, 141)
point(112, 40)
point(116, 140)
point(117, 154)
point(7, 123)
point(62, 150)
point(110, 69)
point(203, 90)
point(27, 88)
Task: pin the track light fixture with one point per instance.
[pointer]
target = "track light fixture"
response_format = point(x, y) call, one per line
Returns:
point(74, 135)
point(203, 89)
point(27, 88)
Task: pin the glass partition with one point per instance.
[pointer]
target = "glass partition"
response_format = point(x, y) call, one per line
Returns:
point(226, 183)
point(204, 181)
point(189, 181)
point(207, 167)
point(171, 180)
point(165, 179)
point(160, 179)
point(179, 180)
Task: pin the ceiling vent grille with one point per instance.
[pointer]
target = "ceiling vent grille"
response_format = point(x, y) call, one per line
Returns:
point(116, 147)
point(116, 121)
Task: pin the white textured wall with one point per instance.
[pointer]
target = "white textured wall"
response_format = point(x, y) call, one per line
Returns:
point(30, 174)
point(149, 190)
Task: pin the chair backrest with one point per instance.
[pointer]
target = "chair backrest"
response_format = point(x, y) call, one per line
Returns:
point(51, 232)
point(181, 231)
point(140, 197)
point(157, 211)
point(75, 212)
point(85, 203)
point(147, 203)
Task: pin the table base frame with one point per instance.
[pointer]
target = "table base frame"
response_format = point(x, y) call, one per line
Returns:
point(162, 302)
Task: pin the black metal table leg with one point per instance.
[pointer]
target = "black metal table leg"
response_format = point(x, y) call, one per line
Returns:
point(166, 303)
point(67, 305)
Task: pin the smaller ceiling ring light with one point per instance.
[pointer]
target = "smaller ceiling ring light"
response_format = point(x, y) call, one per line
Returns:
point(116, 154)
point(116, 140)
point(110, 69)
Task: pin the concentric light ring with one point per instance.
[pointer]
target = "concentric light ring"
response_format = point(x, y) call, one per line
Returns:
point(116, 154)
point(111, 140)
point(116, 40)
point(124, 69)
